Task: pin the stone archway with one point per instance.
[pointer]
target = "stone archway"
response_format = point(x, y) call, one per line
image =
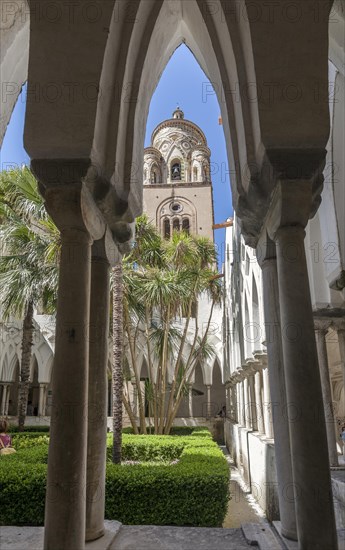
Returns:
point(199, 393)
point(218, 397)
point(34, 389)
point(123, 54)
point(13, 391)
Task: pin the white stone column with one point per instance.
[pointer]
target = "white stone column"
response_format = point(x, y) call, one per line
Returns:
point(267, 404)
point(135, 397)
point(341, 342)
point(7, 402)
point(275, 389)
point(208, 404)
point(3, 399)
point(42, 399)
point(258, 401)
point(233, 390)
point(247, 407)
point(97, 393)
point(243, 403)
point(190, 401)
point(45, 398)
point(321, 328)
point(252, 401)
point(65, 510)
point(314, 506)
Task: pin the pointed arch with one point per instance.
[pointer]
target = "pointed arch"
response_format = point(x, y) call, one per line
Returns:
point(145, 62)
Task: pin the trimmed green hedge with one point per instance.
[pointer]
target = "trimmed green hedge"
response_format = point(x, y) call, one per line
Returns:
point(15, 429)
point(180, 481)
point(179, 430)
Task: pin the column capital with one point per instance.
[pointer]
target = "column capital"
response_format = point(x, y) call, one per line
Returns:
point(291, 206)
point(261, 358)
point(73, 209)
point(239, 374)
point(339, 325)
point(322, 325)
point(265, 250)
point(106, 250)
point(251, 366)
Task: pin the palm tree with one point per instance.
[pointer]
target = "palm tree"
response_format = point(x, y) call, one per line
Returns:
point(117, 372)
point(28, 263)
point(163, 281)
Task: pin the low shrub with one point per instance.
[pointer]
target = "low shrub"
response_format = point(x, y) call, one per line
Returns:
point(179, 430)
point(192, 492)
point(149, 448)
point(23, 440)
point(36, 429)
point(181, 480)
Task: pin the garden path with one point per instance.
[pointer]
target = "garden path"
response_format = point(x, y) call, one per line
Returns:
point(242, 507)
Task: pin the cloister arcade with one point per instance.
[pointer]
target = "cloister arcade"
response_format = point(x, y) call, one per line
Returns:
point(268, 63)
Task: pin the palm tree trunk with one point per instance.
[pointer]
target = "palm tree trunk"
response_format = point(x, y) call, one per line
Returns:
point(164, 373)
point(190, 368)
point(117, 362)
point(141, 402)
point(27, 342)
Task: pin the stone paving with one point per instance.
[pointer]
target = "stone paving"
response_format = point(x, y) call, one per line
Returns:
point(242, 506)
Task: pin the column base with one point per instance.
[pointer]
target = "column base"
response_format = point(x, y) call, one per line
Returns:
point(287, 534)
point(94, 535)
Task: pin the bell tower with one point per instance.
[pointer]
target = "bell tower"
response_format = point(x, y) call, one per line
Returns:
point(177, 183)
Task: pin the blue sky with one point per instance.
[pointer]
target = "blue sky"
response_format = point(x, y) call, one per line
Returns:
point(182, 83)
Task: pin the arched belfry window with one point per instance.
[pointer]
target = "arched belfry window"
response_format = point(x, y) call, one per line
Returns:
point(166, 228)
point(186, 225)
point(155, 177)
point(176, 224)
point(176, 170)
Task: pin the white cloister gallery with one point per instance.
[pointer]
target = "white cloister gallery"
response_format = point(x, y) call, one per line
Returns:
point(278, 365)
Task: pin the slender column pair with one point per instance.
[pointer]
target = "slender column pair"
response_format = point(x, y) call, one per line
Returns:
point(268, 404)
point(190, 401)
point(97, 391)
point(42, 402)
point(76, 463)
point(251, 407)
point(289, 214)
point(208, 402)
point(258, 399)
point(275, 389)
point(4, 399)
point(321, 329)
point(341, 341)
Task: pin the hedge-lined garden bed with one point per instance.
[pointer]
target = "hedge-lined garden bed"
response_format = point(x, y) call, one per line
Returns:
point(181, 480)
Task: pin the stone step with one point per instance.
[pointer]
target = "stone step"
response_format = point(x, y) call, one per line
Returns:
point(289, 544)
point(262, 535)
point(153, 537)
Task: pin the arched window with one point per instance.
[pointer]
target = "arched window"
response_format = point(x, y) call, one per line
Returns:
point(155, 177)
point(206, 171)
point(176, 224)
point(186, 225)
point(176, 170)
point(166, 228)
point(195, 174)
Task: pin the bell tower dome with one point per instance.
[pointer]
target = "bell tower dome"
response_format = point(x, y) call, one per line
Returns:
point(178, 113)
